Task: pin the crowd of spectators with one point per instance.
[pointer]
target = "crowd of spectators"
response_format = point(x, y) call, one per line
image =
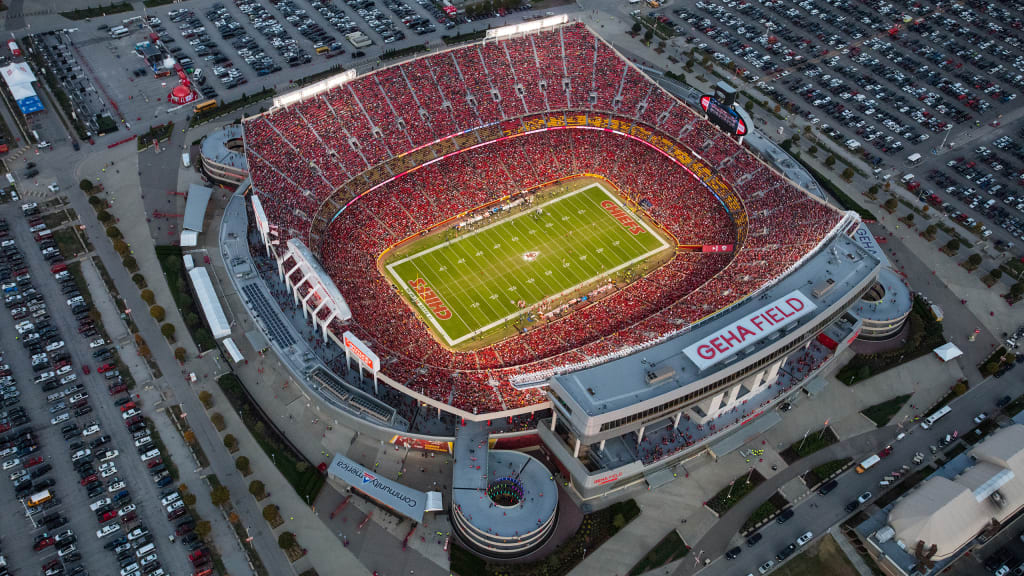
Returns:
point(298, 155)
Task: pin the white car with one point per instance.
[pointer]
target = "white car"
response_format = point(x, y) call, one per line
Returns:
point(175, 506)
point(148, 560)
point(980, 418)
point(172, 497)
point(90, 430)
point(64, 370)
point(81, 454)
point(126, 509)
point(115, 487)
point(107, 466)
point(137, 533)
point(108, 472)
point(69, 379)
point(55, 346)
point(97, 343)
point(130, 413)
point(108, 530)
point(54, 187)
point(66, 550)
point(61, 418)
point(99, 504)
point(804, 539)
point(109, 455)
point(11, 463)
point(18, 474)
point(129, 569)
point(150, 455)
point(764, 568)
point(79, 396)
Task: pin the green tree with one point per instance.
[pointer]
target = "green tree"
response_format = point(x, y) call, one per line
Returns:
point(286, 540)
point(218, 420)
point(114, 232)
point(974, 260)
point(206, 398)
point(795, 138)
point(168, 331)
point(1017, 290)
point(230, 442)
point(270, 513)
point(301, 466)
point(890, 204)
point(148, 297)
point(202, 529)
point(996, 273)
point(121, 247)
point(179, 354)
point(748, 105)
point(158, 313)
point(953, 245)
point(847, 173)
point(909, 218)
point(95, 201)
point(257, 489)
point(130, 263)
point(812, 150)
point(636, 27)
point(189, 499)
point(931, 230)
point(139, 280)
point(648, 35)
point(220, 495)
point(104, 216)
point(873, 190)
point(85, 185)
point(830, 161)
point(242, 465)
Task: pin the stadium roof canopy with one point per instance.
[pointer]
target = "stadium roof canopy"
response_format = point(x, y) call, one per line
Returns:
point(195, 207)
point(208, 301)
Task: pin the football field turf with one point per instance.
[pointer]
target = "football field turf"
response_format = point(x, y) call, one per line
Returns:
point(481, 279)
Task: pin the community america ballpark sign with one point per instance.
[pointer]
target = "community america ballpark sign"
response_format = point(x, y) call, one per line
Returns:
point(751, 329)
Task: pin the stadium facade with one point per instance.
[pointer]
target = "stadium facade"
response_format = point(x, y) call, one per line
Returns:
point(334, 168)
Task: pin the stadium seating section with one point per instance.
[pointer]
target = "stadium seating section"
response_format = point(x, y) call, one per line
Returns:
point(299, 155)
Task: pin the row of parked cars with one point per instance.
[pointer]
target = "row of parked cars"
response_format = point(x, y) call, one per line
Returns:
point(186, 62)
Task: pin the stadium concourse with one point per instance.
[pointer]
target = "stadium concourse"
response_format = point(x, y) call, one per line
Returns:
point(360, 167)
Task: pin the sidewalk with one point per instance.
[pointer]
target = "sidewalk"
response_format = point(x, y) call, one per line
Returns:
point(325, 552)
point(188, 474)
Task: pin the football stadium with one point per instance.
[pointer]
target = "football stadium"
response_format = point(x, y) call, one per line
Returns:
point(529, 239)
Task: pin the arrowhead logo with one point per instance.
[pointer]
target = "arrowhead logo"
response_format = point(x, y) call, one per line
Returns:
point(367, 477)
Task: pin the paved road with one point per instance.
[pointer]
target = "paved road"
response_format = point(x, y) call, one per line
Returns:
point(819, 513)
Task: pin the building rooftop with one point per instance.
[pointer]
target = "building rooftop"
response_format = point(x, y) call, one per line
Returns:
point(663, 368)
point(216, 148)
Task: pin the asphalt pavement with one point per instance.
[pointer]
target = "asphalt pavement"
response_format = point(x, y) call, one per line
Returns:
point(818, 513)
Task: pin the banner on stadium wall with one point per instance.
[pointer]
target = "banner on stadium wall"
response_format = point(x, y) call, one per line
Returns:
point(362, 352)
point(421, 444)
point(716, 248)
point(752, 328)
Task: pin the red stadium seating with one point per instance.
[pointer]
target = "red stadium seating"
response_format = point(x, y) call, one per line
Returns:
point(300, 154)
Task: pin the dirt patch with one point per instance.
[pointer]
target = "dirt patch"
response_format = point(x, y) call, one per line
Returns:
point(823, 557)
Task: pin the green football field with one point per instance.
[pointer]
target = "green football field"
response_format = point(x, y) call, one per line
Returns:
point(480, 279)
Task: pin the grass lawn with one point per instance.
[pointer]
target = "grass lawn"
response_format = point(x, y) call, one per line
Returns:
point(822, 557)
point(766, 510)
point(881, 413)
point(818, 474)
point(734, 492)
point(174, 271)
point(530, 261)
point(814, 441)
point(669, 549)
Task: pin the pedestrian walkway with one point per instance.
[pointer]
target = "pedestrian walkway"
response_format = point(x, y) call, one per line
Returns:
point(851, 554)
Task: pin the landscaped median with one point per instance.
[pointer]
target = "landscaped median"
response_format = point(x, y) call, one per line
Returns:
point(882, 412)
point(594, 530)
point(765, 512)
point(812, 441)
point(667, 550)
point(727, 497)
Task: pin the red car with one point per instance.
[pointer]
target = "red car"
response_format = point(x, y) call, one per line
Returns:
point(62, 364)
point(105, 368)
point(133, 420)
point(85, 368)
point(118, 389)
point(44, 543)
point(32, 462)
point(196, 556)
point(109, 515)
point(885, 452)
point(154, 462)
point(127, 406)
point(89, 478)
point(128, 517)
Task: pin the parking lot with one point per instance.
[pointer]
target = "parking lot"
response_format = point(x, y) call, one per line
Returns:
point(880, 81)
point(77, 480)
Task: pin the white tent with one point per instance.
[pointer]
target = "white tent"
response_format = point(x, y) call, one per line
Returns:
point(233, 351)
point(948, 351)
point(209, 303)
